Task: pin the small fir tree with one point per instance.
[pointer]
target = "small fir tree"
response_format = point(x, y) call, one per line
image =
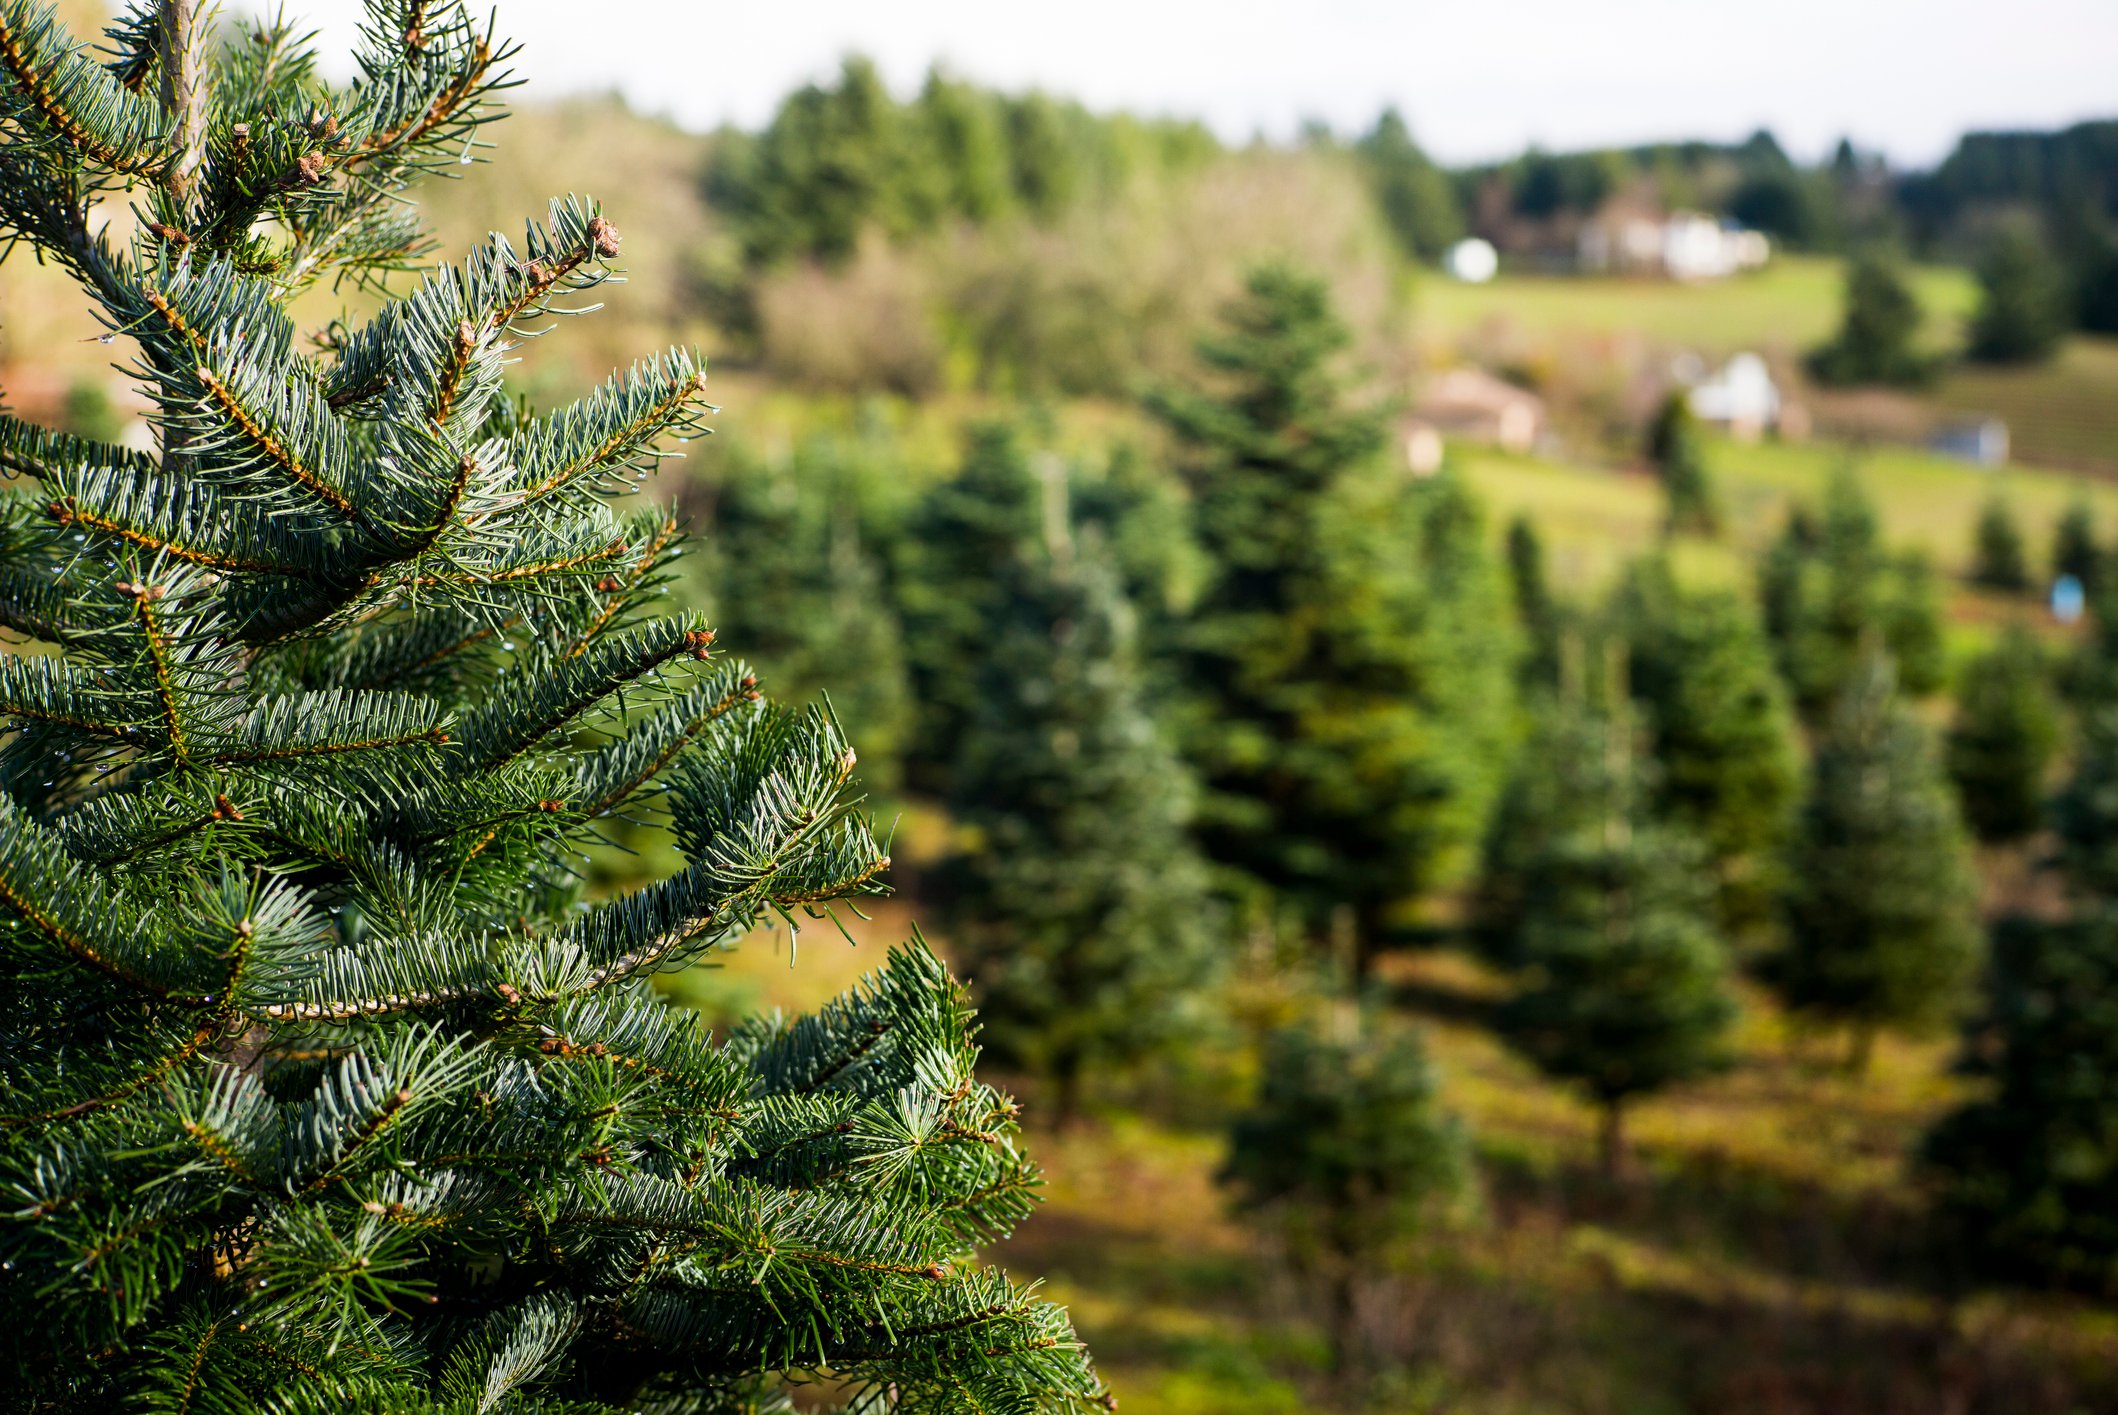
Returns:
point(1622, 984)
point(2004, 737)
point(1827, 586)
point(1877, 339)
point(2022, 309)
point(1678, 452)
point(325, 1087)
point(1345, 670)
point(2028, 1173)
point(1721, 730)
point(1349, 1153)
point(1080, 913)
point(2076, 551)
point(1417, 200)
point(1881, 908)
point(2085, 811)
point(1998, 559)
point(1538, 613)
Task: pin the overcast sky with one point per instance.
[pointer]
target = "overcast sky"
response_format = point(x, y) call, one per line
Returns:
point(1477, 78)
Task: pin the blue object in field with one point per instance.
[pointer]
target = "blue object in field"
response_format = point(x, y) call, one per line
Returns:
point(2067, 599)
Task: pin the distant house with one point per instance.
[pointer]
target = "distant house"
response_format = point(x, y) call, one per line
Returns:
point(1473, 406)
point(1627, 239)
point(1983, 442)
point(1741, 397)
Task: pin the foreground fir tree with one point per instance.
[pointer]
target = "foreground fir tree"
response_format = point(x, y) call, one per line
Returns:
point(1622, 979)
point(1079, 911)
point(2076, 551)
point(2005, 735)
point(1346, 667)
point(2029, 1172)
point(1881, 908)
point(1348, 1153)
point(323, 1089)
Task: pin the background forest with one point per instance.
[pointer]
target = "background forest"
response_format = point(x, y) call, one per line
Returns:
point(1617, 922)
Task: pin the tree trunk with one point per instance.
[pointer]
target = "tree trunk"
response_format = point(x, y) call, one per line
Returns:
point(1611, 1141)
point(182, 97)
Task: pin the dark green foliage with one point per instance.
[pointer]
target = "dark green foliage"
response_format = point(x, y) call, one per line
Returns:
point(2004, 737)
point(1347, 1151)
point(1079, 912)
point(1678, 453)
point(1827, 585)
point(2029, 1172)
point(1998, 560)
point(1622, 980)
point(326, 1087)
point(1877, 339)
point(1721, 731)
point(2022, 311)
point(1416, 197)
point(2075, 550)
point(1881, 907)
point(1346, 666)
point(794, 555)
point(2085, 811)
point(1542, 619)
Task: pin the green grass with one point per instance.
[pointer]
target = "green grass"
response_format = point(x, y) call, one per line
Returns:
point(1790, 305)
point(2065, 411)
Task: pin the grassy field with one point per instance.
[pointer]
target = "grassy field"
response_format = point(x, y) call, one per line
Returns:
point(1788, 306)
point(2065, 411)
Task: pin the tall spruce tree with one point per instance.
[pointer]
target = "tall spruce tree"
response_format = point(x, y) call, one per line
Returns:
point(1998, 558)
point(2022, 308)
point(1881, 908)
point(1622, 982)
point(1346, 665)
point(325, 1089)
point(2004, 737)
point(1080, 912)
point(1348, 1151)
point(1678, 453)
point(1721, 731)
point(2028, 1173)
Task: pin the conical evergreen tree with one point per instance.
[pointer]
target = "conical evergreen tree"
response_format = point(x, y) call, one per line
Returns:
point(1081, 914)
point(2029, 1173)
point(1827, 585)
point(1623, 985)
point(1542, 618)
point(1416, 197)
point(1348, 1151)
point(1346, 666)
point(1878, 329)
point(1881, 921)
point(1678, 452)
point(1998, 559)
point(2022, 309)
point(2076, 551)
point(325, 1089)
point(2085, 812)
point(1721, 730)
point(793, 571)
point(2004, 737)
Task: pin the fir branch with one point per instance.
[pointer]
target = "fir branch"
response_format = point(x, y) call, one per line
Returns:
point(72, 97)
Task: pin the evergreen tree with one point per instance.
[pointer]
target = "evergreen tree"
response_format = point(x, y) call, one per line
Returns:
point(1348, 1151)
point(2085, 811)
point(1827, 585)
point(1721, 729)
point(1881, 922)
point(1877, 339)
point(1998, 559)
point(1417, 199)
point(2075, 550)
point(2029, 1172)
point(325, 1088)
point(1678, 452)
point(1623, 985)
point(794, 574)
point(1081, 913)
point(2005, 734)
point(1541, 617)
point(1345, 667)
point(2022, 313)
